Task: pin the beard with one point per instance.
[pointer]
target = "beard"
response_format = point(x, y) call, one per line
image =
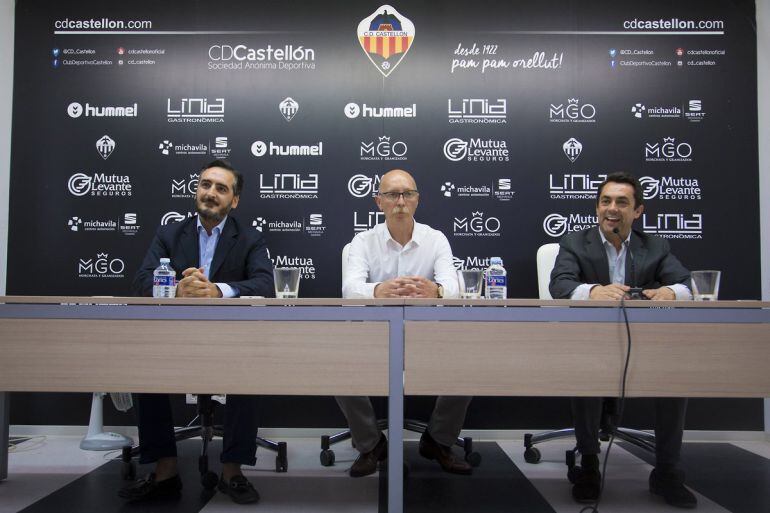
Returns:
point(214, 213)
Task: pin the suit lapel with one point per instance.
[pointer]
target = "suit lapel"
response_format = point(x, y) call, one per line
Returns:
point(189, 243)
point(598, 257)
point(224, 245)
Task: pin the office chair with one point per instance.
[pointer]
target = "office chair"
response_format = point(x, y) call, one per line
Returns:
point(327, 454)
point(207, 431)
point(546, 258)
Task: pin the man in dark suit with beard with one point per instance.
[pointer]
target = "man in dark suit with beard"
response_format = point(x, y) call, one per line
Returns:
point(217, 257)
point(605, 262)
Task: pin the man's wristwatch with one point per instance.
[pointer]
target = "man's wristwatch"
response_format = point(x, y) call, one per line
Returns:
point(439, 290)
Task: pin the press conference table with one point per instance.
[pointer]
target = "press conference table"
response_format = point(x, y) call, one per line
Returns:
point(380, 347)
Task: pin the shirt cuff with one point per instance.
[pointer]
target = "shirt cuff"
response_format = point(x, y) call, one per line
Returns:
point(227, 290)
point(582, 291)
point(681, 291)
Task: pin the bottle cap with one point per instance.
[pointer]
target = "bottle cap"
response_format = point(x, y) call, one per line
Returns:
point(496, 261)
point(165, 260)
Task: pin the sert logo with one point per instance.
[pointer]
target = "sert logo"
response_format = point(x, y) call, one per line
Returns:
point(386, 36)
point(574, 185)
point(476, 150)
point(572, 149)
point(101, 267)
point(174, 217)
point(74, 223)
point(476, 225)
point(76, 110)
point(447, 188)
point(573, 111)
point(674, 225)
point(556, 225)
point(353, 110)
point(288, 186)
point(694, 112)
point(221, 148)
point(261, 148)
point(470, 262)
point(670, 188)
point(288, 108)
point(668, 150)
point(105, 146)
point(383, 149)
point(129, 226)
point(503, 190)
point(367, 220)
point(640, 110)
point(477, 111)
point(195, 110)
point(361, 186)
point(314, 227)
point(185, 187)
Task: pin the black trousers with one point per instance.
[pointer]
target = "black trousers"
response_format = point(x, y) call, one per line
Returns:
point(156, 429)
point(669, 427)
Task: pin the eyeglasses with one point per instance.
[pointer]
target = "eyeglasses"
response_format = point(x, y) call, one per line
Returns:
point(393, 195)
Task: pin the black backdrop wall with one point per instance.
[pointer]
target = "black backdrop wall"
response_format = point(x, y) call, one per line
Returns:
point(507, 114)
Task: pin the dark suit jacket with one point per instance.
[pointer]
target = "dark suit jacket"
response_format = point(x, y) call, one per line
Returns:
point(240, 258)
point(582, 259)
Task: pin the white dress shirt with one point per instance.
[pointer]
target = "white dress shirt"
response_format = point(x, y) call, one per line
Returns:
point(375, 257)
point(207, 244)
point(617, 263)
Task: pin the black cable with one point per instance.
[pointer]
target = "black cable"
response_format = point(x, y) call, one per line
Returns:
point(594, 508)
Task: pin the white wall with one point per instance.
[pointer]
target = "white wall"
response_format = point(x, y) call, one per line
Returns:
point(6, 99)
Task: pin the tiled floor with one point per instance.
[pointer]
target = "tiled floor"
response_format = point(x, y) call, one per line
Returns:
point(51, 474)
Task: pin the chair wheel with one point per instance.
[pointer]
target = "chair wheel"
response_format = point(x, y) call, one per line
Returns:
point(473, 458)
point(327, 458)
point(209, 480)
point(281, 464)
point(532, 455)
point(573, 473)
point(128, 471)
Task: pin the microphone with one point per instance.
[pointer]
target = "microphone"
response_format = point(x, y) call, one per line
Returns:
point(635, 292)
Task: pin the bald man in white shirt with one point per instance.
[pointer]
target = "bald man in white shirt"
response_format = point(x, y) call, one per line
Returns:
point(402, 258)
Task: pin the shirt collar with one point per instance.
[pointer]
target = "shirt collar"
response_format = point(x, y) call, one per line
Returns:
point(418, 233)
point(605, 241)
point(218, 228)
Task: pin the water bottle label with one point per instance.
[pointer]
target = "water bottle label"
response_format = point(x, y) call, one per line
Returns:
point(496, 281)
point(164, 281)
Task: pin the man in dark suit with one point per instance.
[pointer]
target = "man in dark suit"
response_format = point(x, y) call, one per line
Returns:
point(605, 262)
point(218, 258)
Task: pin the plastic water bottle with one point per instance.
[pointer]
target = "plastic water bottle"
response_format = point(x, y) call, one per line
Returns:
point(164, 280)
point(496, 280)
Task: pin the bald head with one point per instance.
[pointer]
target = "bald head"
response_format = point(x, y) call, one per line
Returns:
point(397, 176)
